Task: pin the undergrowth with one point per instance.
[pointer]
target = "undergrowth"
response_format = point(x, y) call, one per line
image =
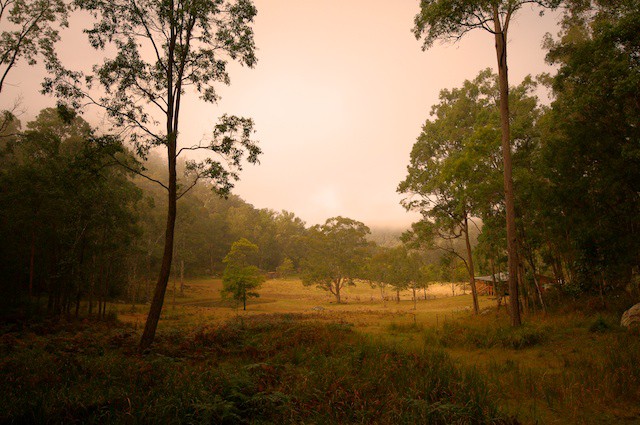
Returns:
point(279, 369)
point(458, 334)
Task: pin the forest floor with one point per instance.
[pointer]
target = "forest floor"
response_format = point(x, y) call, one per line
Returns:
point(295, 356)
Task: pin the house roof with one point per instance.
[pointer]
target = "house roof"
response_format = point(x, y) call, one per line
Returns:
point(499, 277)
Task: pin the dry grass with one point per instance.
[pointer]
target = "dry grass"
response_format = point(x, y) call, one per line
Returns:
point(362, 305)
point(566, 367)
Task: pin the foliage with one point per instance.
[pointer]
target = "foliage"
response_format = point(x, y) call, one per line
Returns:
point(450, 20)
point(29, 31)
point(241, 278)
point(336, 253)
point(591, 143)
point(67, 215)
point(286, 268)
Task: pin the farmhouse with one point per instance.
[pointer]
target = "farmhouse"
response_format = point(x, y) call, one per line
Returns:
point(492, 284)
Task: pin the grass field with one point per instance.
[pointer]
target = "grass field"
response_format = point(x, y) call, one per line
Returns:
point(295, 356)
point(201, 303)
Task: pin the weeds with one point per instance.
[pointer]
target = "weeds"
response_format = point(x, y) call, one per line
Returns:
point(456, 334)
point(251, 370)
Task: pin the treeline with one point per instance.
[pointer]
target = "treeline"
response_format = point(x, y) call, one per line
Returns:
point(82, 227)
point(77, 222)
point(576, 165)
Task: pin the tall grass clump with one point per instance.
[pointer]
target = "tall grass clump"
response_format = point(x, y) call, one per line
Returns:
point(457, 334)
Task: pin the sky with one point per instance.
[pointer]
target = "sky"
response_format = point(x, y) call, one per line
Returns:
point(339, 95)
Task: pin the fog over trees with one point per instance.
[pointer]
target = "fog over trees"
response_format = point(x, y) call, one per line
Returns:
point(522, 202)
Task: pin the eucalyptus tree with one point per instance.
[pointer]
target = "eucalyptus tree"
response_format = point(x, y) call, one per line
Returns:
point(450, 20)
point(336, 254)
point(405, 271)
point(378, 270)
point(164, 50)
point(452, 165)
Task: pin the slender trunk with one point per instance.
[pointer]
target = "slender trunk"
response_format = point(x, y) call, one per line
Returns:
point(105, 288)
point(211, 260)
point(148, 280)
point(602, 285)
point(397, 295)
point(526, 296)
point(77, 313)
point(173, 112)
point(493, 280)
point(92, 280)
point(135, 286)
point(536, 282)
point(244, 302)
point(415, 298)
point(32, 260)
point(472, 277)
point(501, 53)
point(165, 270)
point(425, 292)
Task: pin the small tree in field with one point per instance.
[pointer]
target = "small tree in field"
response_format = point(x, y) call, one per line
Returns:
point(241, 278)
point(286, 268)
point(336, 254)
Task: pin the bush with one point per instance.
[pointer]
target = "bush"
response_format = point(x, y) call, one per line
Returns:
point(455, 334)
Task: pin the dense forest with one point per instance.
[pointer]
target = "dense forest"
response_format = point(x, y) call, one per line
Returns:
point(93, 219)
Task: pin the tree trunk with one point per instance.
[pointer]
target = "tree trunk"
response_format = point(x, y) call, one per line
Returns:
point(337, 293)
point(512, 253)
point(526, 293)
point(165, 270)
point(78, 296)
point(397, 295)
point(32, 260)
point(415, 298)
point(532, 263)
point(472, 277)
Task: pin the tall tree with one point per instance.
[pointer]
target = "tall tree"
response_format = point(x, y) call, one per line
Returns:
point(164, 49)
point(451, 20)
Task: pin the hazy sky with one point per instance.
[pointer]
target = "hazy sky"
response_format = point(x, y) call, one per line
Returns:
point(338, 96)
